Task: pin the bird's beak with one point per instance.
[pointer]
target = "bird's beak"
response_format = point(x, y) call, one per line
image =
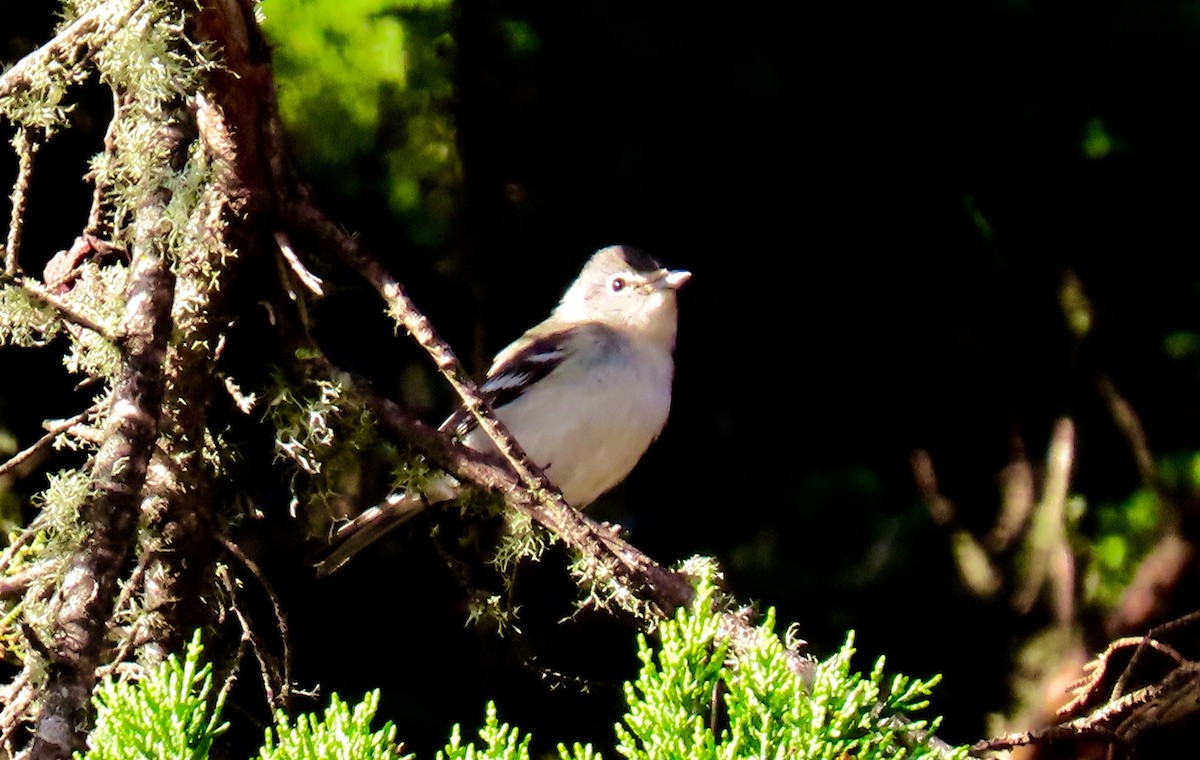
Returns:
point(675, 278)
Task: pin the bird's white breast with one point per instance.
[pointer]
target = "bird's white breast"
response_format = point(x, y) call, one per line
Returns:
point(588, 426)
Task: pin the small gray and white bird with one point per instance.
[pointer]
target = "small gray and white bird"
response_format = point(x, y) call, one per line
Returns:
point(585, 392)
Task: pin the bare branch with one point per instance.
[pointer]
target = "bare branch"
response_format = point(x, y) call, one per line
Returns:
point(1120, 720)
point(97, 225)
point(1155, 584)
point(52, 432)
point(1154, 634)
point(663, 589)
point(1017, 501)
point(280, 621)
point(976, 569)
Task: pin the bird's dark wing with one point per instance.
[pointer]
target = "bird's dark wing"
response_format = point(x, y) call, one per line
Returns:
point(514, 371)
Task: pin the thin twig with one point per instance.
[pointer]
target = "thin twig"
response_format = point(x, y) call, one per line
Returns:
point(276, 607)
point(234, 669)
point(940, 507)
point(307, 278)
point(25, 147)
point(1155, 633)
point(264, 667)
point(1096, 669)
point(1171, 700)
point(1044, 736)
point(1088, 725)
point(59, 427)
point(663, 590)
point(1018, 493)
point(401, 308)
point(1123, 717)
point(976, 567)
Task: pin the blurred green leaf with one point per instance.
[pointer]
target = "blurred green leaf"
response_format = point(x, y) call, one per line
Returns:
point(366, 84)
point(1124, 533)
point(1182, 344)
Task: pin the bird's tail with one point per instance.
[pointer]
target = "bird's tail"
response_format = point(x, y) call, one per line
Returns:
point(352, 537)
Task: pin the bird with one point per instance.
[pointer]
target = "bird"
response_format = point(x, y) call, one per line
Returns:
point(584, 392)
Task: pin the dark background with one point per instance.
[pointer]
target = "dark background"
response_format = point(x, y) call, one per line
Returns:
point(878, 203)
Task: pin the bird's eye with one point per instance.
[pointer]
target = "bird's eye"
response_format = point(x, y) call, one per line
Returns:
point(617, 284)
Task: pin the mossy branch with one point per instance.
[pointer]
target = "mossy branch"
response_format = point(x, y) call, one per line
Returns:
point(83, 602)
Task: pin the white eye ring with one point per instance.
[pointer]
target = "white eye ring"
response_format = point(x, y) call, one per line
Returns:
point(616, 283)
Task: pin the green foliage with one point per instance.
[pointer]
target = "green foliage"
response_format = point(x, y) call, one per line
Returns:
point(166, 715)
point(1119, 535)
point(578, 752)
point(1182, 345)
point(169, 715)
point(1124, 533)
point(500, 742)
point(769, 710)
point(1098, 141)
point(369, 82)
point(696, 697)
point(342, 734)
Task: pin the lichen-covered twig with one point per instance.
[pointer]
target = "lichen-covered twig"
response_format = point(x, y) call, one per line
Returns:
point(70, 47)
point(65, 309)
point(25, 147)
